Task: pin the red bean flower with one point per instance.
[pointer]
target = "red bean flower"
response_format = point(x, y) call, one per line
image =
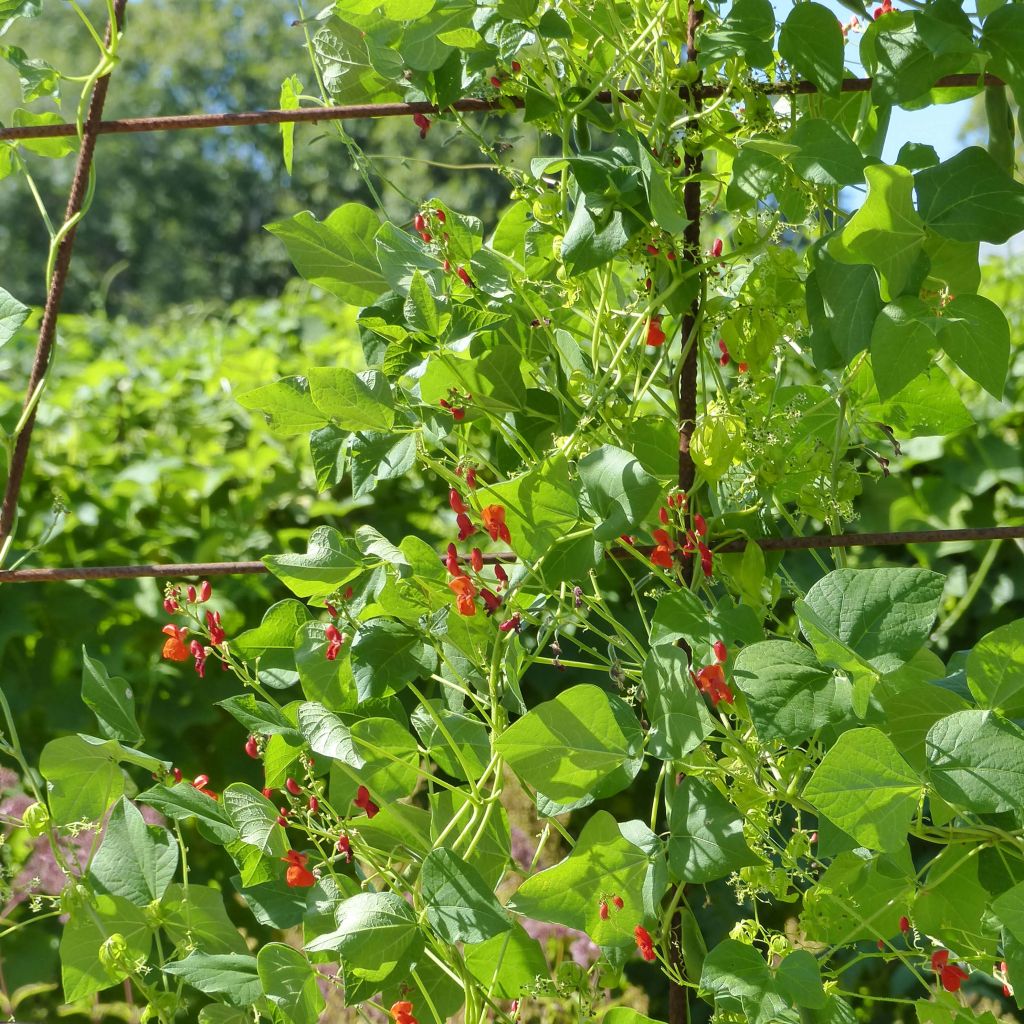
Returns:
point(465, 525)
point(298, 876)
point(655, 335)
point(494, 522)
point(364, 802)
point(335, 640)
point(662, 554)
point(644, 942)
point(174, 646)
point(423, 123)
point(465, 593)
point(710, 680)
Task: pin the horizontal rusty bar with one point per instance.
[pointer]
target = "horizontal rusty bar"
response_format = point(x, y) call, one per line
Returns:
point(838, 540)
point(365, 111)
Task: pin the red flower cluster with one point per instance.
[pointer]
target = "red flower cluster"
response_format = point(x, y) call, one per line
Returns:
point(456, 404)
point(402, 1012)
point(886, 8)
point(298, 876)
point(345, 848)
point(602, 907)
point(644, 942)
point(950, 975)
point(494, 522)
point(364, 802)
point(335, 639)
point(464, 588)
point(710, 680)
point(655, 335)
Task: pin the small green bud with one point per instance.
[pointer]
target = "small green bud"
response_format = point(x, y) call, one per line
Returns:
point(36, 818)
point(114, 952)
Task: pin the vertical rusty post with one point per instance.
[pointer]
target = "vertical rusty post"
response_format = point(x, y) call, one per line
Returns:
point(686, 399)
point(686, 413)
point(48, 326)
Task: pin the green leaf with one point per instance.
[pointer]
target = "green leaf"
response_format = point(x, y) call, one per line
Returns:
point(53, 148)
point(976, 761)
point(291, 89)
point(88, 927)
point(747, 30)
point(355, 401)
point(135, 861)
point(828, 156)
point(460, 906)
point(472, 745)
point(330, 562)
point(255, 819)
point(231, 977)
point(508, 964)
point(1003, 36)
point(1009, 908)
point(272, 643)
point(970, 198)
point(705, 833)
point(184, 801)
point(110, 700)
point(798, 980)
point(386, 655)
point(883, 615)
point(338, 254)
point(902, 343)
point(812, 41)
point(420, 308)
point(850, 301)
point(790, 696)
point(83, 778)
point(389, 757)
point(588, 244)
point(327, 734)
point(195, 916)
point(976, 336)
point(912, 710)
point(287, 405)
point(260, 717)
point(12, 314)
point(542, 508)
point(626, 859)
point(995, 670)
point(952, 903)
point(620, 491)
point(328, 448)
point(886, 231)
point(582, 742)
point(374, 931)
point(11, 10)
point(867, 789)
point(737, 978)
point(679, 717)
point(290, 982)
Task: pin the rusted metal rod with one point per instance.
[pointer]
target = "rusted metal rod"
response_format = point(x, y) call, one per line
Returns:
point(365, 111)
point(177, 570)
point(48, 326)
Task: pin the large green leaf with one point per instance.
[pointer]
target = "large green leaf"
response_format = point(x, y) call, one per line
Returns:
point(231, 977)
point(828, 156)
point(508, 964)
point(110, 700)
point(679, 716)
point(272, 643)
point(184, 801)
point(290, 982)
point(976, 761)
point(886, 232)
point(84, 777)
point(195, 916)
point(705, 839)
point(883, 615)
point(87, 929)
point(976, 336)
point(609, 858)
point(620, 491)
point(329, 563)
point(386, 655)
point(255, 819)
point(460, 905)
point(970, 198)
point(338, 254)
point(812, 41)
point(354, 401)
point(135, 861)
point(1003, 36)
point(789, 694)
point(287, 405)
point(374, 931)
point(903, 341)
point(260, 717)
point(867, 789)
point(995, 670)
point(568, 747)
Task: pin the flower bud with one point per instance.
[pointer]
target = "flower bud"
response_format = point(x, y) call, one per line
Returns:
point(205, 591)
point(292, 786)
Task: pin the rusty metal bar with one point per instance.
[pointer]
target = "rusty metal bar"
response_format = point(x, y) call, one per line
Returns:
point(364, 111)
point(178, 570)
point(48, 327)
